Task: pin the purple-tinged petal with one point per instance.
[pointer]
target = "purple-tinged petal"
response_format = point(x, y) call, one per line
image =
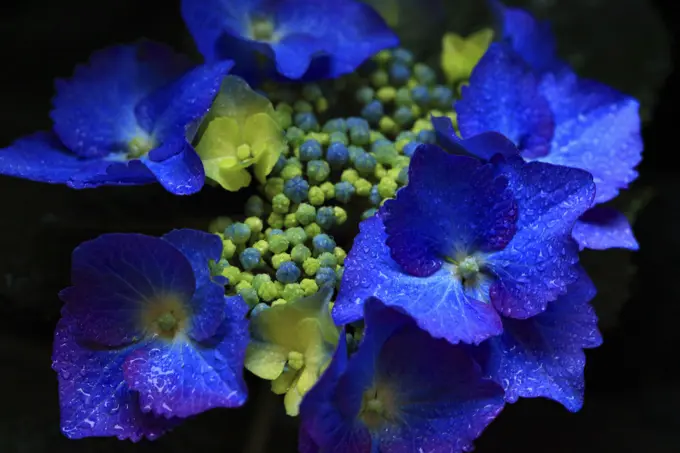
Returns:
point(438, 303)
point(451, 204)
point(42, 157)
point(181, 378)
point(543, 356)
point(199, 247)
point(305, 442)
point(532, 39)
point(116, 277)
point(485, 145)
point(503, 97)
point(602, 228)
point(184, 102)
point(94, 111)
point(539, 263)
point(597, 130)
point(93, 396)
point(116, 173)
point(182, 173)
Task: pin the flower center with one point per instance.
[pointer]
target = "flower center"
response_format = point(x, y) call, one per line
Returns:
point(378, 406)
point(165, 316)
point(244, 152)
point(167, 322)
point(139, 146)
point(296, 360)
point(262, 29)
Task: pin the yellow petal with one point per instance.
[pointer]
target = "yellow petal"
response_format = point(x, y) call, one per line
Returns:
point(460, 55)
point(284, 382)
point(292, 401)
point(220, 139)
point(238, 101)
point(265, 360)
point(268, 141)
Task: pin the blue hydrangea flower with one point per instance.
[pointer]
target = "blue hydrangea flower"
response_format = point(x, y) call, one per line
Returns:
point(466, 241)
point(310, 38)
point(125, 118)
point(543, 356)
point(522, 90)
point(402, 391)
point(147, 336)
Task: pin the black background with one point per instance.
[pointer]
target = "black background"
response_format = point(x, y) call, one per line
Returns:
point(633, 388)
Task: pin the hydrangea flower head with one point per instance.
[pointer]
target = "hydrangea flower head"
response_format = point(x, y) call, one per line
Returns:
point(241, 132)
point(146, 336)
point(125, 118)
point(466, 241)
point(310, 38)
point(522, 90)
point(401, 391)
point(292, 345)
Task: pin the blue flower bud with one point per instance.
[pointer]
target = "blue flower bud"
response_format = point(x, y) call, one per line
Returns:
point(373, 111)
point(364, 95)
point(239, 233)
point(325, 217)
point(296, 189)
point(399, 73)
point(360, 135)
point(427, 136)
point(306, 121)
point(410, 148)
point(318, 170)
point(402, 178)
point(403, 56)
point(338, 137)
point(344, 191)
point(323, 243)
point(420, 95)
point(325, 276)
point(309, 150)
point(424, 74)
point(280, 163)
point(337, 155)
point(311, 92)
point(442, 97)
point(275, 232)
point(335, 125)
point(364, 163)
point(403, 116)
point(405, 135)
point(250, 258)
point(288, 272)
point(374, 196)
point(254, 207)
point(357, 122)
point(295, 135)
point(354, 151)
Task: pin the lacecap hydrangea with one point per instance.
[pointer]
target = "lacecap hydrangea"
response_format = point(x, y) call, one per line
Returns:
point(406, 261)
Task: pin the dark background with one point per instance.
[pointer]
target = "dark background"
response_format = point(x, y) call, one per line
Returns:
point(633, 388)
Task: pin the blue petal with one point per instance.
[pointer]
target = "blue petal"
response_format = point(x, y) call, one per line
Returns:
point(181, 378)
point(540, 261)
point(342, 34)
point(115, 277)
point(543, 356)
point(451, 204)
point(322, 421)
point(94, 112)
point(597, 129)
point(503, 96)
point(183, 103)
point(438, 303)
point(444, 402)
point(602, 228)
point(93, 396)
point(42, 157)
point(181, 173)
point(199, 248)
point(533, 40)
point(485, 145)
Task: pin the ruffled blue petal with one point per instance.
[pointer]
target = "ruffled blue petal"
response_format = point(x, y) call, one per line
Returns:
point(603, 228)
point(543, 356)
point(533, 40)
point(176, 107)
point(484, 146)
point(503, 96)
point(94, 111)
point(451, 204)
point(182, 173)
point(540, 261)
point(597, 129)
point(438, 303)
point(444, 402)
point(115, 277)
point(181, 378)
point(93, 396)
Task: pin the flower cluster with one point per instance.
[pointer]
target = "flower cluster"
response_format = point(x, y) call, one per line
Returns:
point(407, 260)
